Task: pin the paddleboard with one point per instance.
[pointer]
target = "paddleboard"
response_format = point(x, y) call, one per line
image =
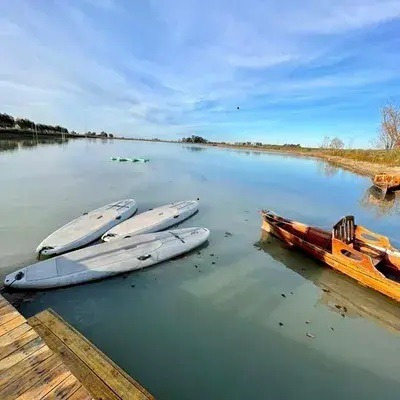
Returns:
point(107, 259)
point(87, 228)
point(154, 220)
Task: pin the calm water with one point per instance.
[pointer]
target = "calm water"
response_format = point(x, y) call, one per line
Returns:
point(213, 332)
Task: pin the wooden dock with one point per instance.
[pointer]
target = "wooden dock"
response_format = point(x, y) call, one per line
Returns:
point(45, 358)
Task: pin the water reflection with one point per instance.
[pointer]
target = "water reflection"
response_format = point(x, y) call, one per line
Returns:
point(339, 293)
point(14, 145)
point(194, 148)
point(327, 169)
point(381, 203)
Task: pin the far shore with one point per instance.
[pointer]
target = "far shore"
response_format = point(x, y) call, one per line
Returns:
point(346, 158)
point(360, 161)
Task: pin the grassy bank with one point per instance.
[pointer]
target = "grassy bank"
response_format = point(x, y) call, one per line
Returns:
point(365, 162)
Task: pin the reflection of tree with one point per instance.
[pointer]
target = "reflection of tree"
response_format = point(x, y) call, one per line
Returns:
point(327, 169)
point(339, 293)
point(195, 148)
point(382, 204)
point(12, 145)
point(8, 145)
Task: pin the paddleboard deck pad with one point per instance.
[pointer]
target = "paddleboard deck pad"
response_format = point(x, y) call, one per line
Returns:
point(107, 259)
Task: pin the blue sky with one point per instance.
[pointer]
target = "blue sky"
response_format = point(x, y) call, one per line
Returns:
point(170, 68)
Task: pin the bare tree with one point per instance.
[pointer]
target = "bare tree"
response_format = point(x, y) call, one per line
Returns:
point(389, 132)
point(325, 143)
point(336, 143)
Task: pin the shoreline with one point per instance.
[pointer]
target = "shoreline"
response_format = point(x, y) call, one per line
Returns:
point(365, 168)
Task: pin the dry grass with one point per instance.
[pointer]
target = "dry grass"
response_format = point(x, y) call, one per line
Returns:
point(381, 157)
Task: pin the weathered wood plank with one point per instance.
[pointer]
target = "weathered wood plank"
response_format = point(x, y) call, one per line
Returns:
point(18, 343)
point(96, 387)
point(7, 313)
point(21, 354)
point(20, 369)
point(33, 376)
point(64, 390)
point(14, 334)
point(81, 394)
point(3, 301)
point(10, 325)
point(49, 381)
point(118, 380)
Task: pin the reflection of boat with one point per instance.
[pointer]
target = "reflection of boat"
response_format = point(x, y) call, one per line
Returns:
point(387, 182)
point(351, 249)
point(382, 203)
point(337, 289)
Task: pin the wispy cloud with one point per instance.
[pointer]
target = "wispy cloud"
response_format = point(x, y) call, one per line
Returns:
point(174, 67)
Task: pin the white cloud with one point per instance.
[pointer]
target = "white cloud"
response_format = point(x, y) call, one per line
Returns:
point(149, 66)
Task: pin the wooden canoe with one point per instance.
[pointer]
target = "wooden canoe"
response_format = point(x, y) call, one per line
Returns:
point(355, 251)
point(387, 182)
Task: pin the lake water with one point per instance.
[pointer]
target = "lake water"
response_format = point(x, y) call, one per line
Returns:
point(213, 332)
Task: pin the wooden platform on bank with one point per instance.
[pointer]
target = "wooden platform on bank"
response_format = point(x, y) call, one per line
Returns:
point(45, 358)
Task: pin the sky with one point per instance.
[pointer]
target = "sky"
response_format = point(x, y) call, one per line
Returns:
point(297, 70)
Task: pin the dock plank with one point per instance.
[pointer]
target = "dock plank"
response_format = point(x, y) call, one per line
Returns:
point(12, 324)
point(117, 379)
point(18, 343)
point(97, 388)
point(81, 394)
point(32, 377)
point(3, 302)
point(45, 358)
point(20, 369)
point(7, 313)
point(64, 390)
point(13, 334)
point(50, 380)
point(20, 354)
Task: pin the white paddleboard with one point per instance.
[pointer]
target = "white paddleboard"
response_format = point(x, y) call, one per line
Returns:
point(107, 259)
point(87, 228)
point(155, 220)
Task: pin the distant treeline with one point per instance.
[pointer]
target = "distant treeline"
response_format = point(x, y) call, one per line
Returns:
point(15, 126)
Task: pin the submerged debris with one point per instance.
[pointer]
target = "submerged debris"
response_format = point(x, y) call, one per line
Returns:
point(310, 335)
point(132, 285)
point(213, 263)
point(332, 328)
point(196, 266)
point(280, 323)
point(283, 295)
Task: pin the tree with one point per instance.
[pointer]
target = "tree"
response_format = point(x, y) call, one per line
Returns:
point(389, 132)
point(336, 143)
point(25, 123)
point(326, 142)
point(6, 121)
point(194, 139)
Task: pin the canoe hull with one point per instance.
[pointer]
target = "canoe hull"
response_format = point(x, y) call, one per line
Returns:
point(366, 276)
